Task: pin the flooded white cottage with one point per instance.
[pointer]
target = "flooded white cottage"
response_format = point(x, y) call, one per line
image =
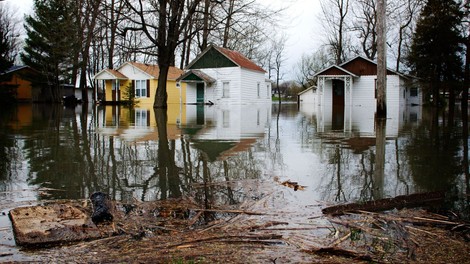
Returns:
point(219, 76)
point(346, 94)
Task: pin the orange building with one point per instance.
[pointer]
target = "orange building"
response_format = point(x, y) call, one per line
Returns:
point(24, 90)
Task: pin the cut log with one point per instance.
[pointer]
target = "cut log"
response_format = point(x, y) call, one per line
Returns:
point(399, 202)
point(52, 224)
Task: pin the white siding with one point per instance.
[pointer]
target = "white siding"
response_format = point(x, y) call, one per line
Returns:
point(190, 93)
point(133, 73)
point(309, 97)
point(249, 87)
point(242, 86)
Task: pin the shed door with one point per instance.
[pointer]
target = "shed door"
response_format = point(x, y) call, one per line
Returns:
point(200, 92)
point(338, 92)
point(338, 105)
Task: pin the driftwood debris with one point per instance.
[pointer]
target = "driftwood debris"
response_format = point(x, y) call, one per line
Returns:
point(399, 202)
point(341, 252)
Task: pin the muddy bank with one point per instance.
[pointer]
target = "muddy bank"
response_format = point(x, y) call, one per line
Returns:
point(276, 227)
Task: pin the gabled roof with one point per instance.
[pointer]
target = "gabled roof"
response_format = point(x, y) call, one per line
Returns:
point(152, 70)
point(112, 75)
point(240, 60)
point(335, 70)
point(314, 88)
point(195, 76)
point(14, 68)
point(233, 56)
point(356, 67)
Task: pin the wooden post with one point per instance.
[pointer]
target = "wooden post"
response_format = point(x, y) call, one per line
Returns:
point(381, 61)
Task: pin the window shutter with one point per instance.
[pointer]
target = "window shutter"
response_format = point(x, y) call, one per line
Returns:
point(133, 87)
point(148, 88)
point(148, 117)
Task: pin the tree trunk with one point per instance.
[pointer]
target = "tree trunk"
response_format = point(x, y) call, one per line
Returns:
point(205, 30)
point(228, 23)
point(161, 94)
point(466, 83)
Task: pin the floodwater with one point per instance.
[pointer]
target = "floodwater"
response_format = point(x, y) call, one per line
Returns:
point(51, 152)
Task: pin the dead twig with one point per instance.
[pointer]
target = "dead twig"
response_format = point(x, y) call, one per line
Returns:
point(339, 241)
point(229, 211)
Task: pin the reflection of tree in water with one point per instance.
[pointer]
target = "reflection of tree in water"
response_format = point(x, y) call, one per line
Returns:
point(433, 156)
point(59, 157)
point(6, 143)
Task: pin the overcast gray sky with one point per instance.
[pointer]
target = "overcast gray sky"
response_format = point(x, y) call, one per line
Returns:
point(300, 22)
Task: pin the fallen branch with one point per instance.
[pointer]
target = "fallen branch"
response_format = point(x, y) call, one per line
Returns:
point(341, 252)
point(266, 225)
point(399, 202)
point(229, 211)
point(225, 238)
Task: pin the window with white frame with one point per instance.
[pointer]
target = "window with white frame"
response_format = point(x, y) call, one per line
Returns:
point(226, 89)
point(258, 90)
point(141, 88)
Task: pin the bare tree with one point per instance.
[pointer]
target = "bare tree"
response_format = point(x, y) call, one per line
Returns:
point(9, 37)
point(335, 14)
point(87, 17)
point(403, 16)
point(278, 48)
point(365, 24)
point(164, 30)
point(309, 65)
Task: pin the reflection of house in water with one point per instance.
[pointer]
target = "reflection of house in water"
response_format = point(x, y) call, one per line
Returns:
point(138, 124)
point(360, 122)
point(223, 130)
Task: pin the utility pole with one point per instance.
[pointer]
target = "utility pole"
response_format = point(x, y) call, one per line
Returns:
point(381, 61)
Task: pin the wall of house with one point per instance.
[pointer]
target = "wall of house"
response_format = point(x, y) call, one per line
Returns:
point(364, 90)
point(327, 94)
point(309, 97)
point(24, 90)
point(176, 95)
point(123, 84)
point(249, 87)
point(214, 92)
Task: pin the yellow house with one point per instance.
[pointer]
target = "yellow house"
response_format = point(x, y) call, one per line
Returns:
point(143, 80)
